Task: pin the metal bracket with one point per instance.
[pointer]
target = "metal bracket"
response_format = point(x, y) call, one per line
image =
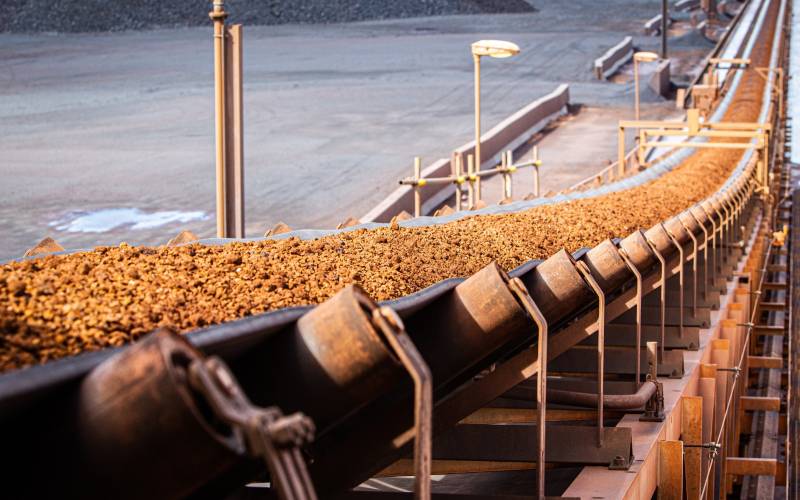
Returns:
point(713, 244)
point(654, 409)
point(694, 268)
point(601, 341)
point(619, 463)
point(390, 324)
point(663, 288)
point(628, 262)
point(518, 288)
point(680, 277)
point(705, 256)
point(712, 447)
point(266, 432)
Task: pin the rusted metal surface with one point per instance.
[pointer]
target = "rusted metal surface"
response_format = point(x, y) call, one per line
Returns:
point(333, 351)
point(566, 444)
point(394, 332)
point(610, 401)
point(557, 285)
point(116, 408)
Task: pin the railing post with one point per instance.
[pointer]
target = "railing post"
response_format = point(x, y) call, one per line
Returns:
point(417, 193)
point(234, 130)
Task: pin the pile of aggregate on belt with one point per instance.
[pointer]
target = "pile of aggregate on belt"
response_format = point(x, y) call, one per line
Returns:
point(62, 305)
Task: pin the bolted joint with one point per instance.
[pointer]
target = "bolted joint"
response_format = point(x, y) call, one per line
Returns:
point(654, 408)
point(619, 463)
point(293, 430)
point(218, 16)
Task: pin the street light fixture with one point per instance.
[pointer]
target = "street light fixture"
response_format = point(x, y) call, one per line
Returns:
point(492, 48)
point(637, 58)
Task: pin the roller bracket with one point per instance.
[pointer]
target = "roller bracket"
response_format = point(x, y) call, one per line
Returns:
point(266, 432)
point(390, 324)
point(619, 463)
point(654, 409)
point(518, 288)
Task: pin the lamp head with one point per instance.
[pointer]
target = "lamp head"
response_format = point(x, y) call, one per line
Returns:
point(645, 56)
point(494, 48)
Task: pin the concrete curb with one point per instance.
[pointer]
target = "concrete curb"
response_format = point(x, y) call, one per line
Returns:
point(613, 59)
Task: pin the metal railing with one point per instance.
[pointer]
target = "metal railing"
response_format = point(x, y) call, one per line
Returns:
point(459, 178)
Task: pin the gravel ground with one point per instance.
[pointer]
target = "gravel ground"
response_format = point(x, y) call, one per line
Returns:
point(117, 15)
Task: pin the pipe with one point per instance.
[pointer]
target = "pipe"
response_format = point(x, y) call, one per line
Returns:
point(610, 401)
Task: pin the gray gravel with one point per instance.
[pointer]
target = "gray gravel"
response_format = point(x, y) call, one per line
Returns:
point(117, 15)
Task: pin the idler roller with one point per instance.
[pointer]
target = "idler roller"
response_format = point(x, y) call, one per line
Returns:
point(465, 326)
point(607, 267)
point(557, 287)
point(138, 430)
point(673, 225)
point(661, 240)
point(331, 362)
point(635, 245)
point(700, 215)
point(691, 224)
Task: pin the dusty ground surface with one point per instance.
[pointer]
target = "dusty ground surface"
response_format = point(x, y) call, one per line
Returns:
point(334, 115)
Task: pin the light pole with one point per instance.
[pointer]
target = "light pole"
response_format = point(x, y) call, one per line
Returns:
point(637, 58)
point(491, 48)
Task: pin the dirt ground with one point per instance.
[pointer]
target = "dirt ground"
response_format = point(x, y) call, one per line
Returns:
point(334, 115)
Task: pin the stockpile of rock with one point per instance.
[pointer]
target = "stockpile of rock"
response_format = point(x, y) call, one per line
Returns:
point(117, 15)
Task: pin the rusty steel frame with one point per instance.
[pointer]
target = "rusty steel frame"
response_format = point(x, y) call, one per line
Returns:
point(518, 287)
point(679, 247)
point(387, 320)
point(601, 344)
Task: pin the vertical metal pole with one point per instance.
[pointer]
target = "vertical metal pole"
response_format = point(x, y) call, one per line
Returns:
point(218, 16)
point(509, 162)
point(417, 194)
point(234, 134)
point(459, 173)
point(471, 189)
point(636, 87)
point(477, 60)
point(664, 22)
point(642, 140)
point(663, 289)
point(621, 151)
point(536, 188)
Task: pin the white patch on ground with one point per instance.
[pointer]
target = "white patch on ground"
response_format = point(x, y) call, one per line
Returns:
point(107, 219)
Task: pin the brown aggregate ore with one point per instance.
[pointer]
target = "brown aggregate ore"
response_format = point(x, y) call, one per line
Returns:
point(58, 306)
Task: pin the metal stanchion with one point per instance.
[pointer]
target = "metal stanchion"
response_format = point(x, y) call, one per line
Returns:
point(228, 111)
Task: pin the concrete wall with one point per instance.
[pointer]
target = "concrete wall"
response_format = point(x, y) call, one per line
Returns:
point(616, 56)
point(653, 26)
point(687, 4)
point(508, 134)
point(660, 79)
